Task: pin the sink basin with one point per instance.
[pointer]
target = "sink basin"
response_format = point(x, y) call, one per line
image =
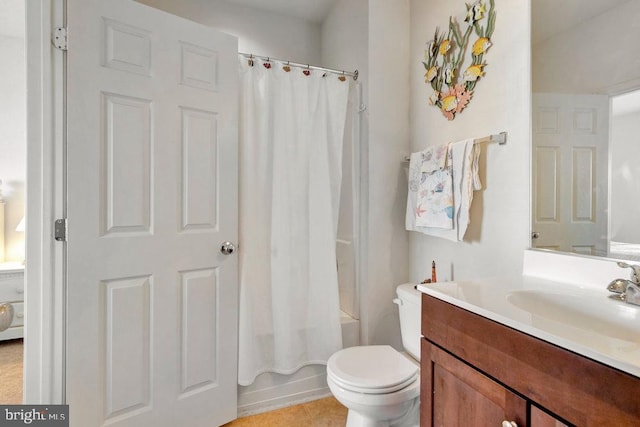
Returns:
point(582, 319)
point(591, 319)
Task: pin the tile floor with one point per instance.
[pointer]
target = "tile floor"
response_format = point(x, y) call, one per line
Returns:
point(11, 372)
point(326, 412)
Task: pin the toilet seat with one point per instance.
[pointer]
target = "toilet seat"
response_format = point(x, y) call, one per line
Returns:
point(375, 369)
point(368, 390)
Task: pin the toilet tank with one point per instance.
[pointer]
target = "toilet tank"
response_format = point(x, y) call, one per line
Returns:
point(409, 307)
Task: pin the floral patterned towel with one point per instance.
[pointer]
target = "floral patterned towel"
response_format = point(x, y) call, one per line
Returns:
point(433, 158)
point(434, 202)
point(464, 164)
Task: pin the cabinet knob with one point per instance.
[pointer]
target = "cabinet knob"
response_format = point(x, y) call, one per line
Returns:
point(506, 423)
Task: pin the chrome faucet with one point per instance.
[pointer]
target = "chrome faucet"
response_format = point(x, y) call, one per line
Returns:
point(628, 290)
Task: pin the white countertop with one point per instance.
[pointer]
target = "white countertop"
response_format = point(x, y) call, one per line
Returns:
point(581, 319)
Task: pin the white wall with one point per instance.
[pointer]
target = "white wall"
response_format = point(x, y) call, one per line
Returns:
point(373, 37)
point(344, 45)
point(13, 141)
point(344, 36)
point(258, 32)
point(625, 170)
point(601, 55)
point(388, 118)
point(499, 229)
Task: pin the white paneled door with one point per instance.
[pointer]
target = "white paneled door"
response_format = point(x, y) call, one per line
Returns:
point(151, 197)
point(570, 143)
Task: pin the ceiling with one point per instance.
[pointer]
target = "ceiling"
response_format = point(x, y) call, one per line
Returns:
point(558, 15)
point(311, 10)
point(551, 17)
point(12, 18)
point(12, 11)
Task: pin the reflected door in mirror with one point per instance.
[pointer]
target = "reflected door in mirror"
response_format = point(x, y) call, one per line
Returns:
point(570, 139)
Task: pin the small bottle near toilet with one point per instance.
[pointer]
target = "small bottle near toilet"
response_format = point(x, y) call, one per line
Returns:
point(434, 277)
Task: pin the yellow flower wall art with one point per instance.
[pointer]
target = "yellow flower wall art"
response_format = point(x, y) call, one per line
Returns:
point(451, 77)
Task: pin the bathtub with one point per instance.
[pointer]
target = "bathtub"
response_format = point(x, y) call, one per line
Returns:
point(350, 330)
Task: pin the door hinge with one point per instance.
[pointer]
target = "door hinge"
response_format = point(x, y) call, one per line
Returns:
point(59, 38)
point(60, 230)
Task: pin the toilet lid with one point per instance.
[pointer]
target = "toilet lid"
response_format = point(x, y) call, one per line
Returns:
point(371, 369)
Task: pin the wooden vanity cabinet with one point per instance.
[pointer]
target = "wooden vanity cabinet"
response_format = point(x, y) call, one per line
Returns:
point(462, 396)
point(539, 418)
point(477, 372)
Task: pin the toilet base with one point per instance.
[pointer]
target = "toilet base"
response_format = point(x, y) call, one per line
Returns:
point(354, 419)
point(410, 419)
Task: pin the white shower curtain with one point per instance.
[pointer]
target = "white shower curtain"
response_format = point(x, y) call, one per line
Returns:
point(291, 134)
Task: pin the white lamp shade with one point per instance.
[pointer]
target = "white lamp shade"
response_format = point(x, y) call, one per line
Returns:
point(20, 226)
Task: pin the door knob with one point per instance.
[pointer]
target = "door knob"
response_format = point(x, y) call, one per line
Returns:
point(227, 248)
point(535, 235)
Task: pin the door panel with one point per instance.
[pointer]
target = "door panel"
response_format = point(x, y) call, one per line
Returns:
point(570, 178)
point(151, 195)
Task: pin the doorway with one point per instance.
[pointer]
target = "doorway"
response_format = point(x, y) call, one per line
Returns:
point(12, 198)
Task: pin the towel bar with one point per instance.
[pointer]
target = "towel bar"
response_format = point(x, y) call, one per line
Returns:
point(500, 138)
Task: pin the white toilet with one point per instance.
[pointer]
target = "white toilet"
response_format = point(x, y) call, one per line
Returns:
point(378, 384)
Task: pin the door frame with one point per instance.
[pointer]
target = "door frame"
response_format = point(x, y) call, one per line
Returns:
point(44, 351)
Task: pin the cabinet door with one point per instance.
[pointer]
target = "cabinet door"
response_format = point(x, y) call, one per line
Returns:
point(454, 394)
point(539, 418)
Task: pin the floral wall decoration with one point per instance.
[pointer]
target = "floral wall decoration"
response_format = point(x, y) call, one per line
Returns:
point(451, 76)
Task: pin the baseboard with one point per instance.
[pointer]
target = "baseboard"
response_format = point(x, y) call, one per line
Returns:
point(283, 402)
point(271, 390)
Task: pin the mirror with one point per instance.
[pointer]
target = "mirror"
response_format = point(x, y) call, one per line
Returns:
point(586, 127)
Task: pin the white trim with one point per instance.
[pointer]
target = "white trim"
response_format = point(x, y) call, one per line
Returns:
point(623, 87)
point(361, 208)
point(356, 188)
point(44, 270)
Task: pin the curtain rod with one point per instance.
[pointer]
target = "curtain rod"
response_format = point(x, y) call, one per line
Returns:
point(500, 138)
point(353, 74)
